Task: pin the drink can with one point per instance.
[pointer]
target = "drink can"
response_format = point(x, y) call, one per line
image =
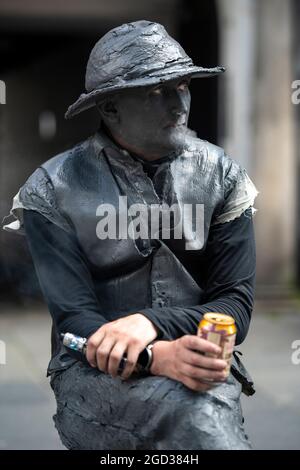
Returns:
point(220, 329)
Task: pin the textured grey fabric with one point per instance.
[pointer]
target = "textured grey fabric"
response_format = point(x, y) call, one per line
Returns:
point(136, 274)
point(98, 412)
point(95, 171)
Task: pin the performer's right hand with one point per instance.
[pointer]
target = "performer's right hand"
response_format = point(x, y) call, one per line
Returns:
point(130, 335)
point(180, 360)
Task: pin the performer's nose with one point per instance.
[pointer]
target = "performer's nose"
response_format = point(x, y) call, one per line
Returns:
point(179, 104)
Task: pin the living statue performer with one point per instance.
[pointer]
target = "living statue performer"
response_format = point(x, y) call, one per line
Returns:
point(123, 284)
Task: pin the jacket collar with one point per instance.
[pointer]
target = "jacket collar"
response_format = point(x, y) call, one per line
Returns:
point(104, 140)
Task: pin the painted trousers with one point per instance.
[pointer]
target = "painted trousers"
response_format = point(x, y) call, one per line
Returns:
point(96, 411)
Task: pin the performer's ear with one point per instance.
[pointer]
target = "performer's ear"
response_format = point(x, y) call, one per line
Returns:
point(108, 110)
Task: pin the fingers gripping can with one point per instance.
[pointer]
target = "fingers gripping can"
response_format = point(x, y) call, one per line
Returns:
point(220, 329)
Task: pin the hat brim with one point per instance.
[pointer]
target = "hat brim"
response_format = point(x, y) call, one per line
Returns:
point(88, 100)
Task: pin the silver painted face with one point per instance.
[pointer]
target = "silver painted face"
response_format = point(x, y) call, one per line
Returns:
point(152, 121)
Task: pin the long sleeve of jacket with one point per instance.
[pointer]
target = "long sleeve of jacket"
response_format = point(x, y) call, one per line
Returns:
point(64, 276)
point(229, 273)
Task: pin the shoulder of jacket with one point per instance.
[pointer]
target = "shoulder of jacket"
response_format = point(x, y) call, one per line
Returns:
point(56, 164)
point(213, 153)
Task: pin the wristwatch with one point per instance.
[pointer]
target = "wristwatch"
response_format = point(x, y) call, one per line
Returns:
point(145, 358)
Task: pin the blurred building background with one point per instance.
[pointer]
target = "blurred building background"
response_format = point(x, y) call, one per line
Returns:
point(44, 47)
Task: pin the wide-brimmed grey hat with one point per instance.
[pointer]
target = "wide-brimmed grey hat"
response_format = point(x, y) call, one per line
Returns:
point(133, 55)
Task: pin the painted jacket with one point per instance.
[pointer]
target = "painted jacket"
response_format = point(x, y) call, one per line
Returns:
point(78, 188)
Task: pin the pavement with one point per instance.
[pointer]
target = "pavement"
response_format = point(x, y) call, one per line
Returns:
point(272, 415)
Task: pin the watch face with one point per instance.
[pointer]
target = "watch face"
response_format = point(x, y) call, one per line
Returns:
point(143, 358)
